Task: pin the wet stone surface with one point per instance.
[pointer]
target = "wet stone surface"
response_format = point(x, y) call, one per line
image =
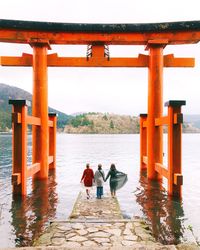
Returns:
point(97, 233)
point(95, 224)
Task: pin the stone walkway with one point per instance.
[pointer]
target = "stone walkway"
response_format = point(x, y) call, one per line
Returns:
point(99, 224)
point(105, 208)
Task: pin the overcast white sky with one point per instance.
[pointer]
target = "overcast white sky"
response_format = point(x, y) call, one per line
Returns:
point(116, 90)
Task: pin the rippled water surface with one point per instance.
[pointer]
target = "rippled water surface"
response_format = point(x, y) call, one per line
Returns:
point(21, 221)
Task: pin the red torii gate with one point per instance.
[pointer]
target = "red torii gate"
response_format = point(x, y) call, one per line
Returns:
point(41, 35)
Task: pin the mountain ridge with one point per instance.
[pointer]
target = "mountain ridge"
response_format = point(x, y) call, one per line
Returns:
point(105, 123)
point(91, 123)
point(11, 92)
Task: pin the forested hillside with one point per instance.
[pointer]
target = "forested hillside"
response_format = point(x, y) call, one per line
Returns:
point(88, 123)
point(9, 92)
point(99, 123)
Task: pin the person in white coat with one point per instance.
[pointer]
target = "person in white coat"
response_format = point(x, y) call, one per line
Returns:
point(99, 178)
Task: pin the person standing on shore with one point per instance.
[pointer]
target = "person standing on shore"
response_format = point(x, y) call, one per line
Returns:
point(117, 179)
point(88, 178)
point(99, 178)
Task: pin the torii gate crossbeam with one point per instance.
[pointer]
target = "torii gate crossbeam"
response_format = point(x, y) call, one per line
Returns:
point(15, 31)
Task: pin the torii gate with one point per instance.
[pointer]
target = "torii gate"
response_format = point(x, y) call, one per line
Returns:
point(41, 35)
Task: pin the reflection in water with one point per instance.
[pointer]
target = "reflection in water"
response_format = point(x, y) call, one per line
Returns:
point(72, 153)
point(165, 214)
point(31, 215)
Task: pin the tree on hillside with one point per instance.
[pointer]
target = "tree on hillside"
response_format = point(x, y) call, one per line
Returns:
point(105, 117)
point(92, 124)
point(80, 120)
point(111, 124)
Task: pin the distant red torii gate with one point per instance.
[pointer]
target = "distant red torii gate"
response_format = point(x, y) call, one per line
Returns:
point(41, 35)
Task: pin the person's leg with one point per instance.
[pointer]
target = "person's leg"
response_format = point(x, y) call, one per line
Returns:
point(114, 188)
point(111, 191)
point(87, 192)
point(98, 192)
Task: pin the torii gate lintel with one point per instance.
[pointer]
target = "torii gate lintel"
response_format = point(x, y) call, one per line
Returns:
point(53, 60)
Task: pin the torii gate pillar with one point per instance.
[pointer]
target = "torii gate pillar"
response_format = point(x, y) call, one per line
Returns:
point(40, 108)
point(155, 107)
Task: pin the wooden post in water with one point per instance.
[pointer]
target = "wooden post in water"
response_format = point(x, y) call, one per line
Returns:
point(52, 140)
point(19, 146)
point(175, 178)
point(155, 107)
point(143, 142)
point(40, 107)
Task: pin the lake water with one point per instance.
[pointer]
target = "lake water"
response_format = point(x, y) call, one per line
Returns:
point(22, 221)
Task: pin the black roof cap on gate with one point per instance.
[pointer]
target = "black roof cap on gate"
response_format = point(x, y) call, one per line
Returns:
point(103, 28)
point(143, 115)
point(19, 102)
point(175, 103)
point(52, 114)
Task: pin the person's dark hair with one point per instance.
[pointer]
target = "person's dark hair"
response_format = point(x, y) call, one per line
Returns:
point(87, 165)
point(99, 167)
point(112, 167)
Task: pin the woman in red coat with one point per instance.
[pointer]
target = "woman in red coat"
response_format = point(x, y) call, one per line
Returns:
point(87, 178)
